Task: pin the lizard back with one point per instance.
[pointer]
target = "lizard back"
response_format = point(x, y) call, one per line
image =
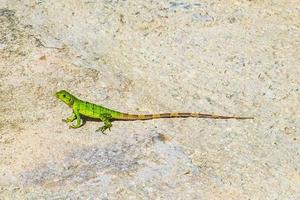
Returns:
point(93, 110)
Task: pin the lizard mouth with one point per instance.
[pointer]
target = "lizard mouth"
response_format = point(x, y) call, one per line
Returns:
point(56, 95)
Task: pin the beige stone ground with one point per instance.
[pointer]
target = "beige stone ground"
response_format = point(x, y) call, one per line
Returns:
point(223, 57)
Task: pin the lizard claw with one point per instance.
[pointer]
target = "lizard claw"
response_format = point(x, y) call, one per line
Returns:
point(67, 120)
point(72, 126)
point(103, 129)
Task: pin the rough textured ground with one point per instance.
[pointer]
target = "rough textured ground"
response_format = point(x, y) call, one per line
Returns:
point(223, 57)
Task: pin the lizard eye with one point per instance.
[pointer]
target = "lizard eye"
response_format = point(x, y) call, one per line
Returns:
point(64, 95)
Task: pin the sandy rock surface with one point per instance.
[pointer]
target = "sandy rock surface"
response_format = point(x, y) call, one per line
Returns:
point(224, 57)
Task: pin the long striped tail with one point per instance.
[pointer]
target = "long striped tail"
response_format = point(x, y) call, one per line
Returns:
point(125, 116)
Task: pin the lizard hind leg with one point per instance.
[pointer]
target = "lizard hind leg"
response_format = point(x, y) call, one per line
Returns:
point(106, 118)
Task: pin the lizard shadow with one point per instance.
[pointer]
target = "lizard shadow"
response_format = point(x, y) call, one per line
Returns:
point(89, 119)
point(85, 119)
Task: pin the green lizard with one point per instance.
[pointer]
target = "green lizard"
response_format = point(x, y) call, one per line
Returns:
point(106, 115)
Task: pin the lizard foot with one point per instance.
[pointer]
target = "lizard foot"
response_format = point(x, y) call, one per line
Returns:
point(66, 120)
point(70, 119)
point(104, 128)
point(72, 126)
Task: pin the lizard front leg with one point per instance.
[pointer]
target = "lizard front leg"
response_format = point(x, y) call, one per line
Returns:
point(106, 118)
point(78, 119)
point(70, 119)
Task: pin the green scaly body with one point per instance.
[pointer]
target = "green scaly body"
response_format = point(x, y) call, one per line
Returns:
point(106, 115)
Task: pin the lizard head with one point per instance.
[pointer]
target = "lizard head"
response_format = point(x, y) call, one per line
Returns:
point(66, 97)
